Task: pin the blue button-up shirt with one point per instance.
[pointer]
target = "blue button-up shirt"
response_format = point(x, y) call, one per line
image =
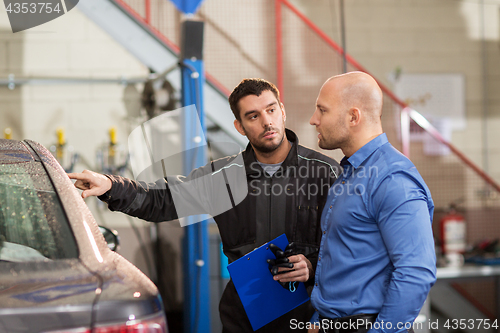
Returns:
point(377, 250)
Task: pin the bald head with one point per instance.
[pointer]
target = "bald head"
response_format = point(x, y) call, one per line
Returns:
point(348, 112)
point(357, 90)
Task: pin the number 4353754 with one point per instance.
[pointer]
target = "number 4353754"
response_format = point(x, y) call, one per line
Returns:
point(471, 324)
point(40, 7)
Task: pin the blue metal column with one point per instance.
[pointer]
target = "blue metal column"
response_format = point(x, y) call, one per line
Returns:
point(196, 243)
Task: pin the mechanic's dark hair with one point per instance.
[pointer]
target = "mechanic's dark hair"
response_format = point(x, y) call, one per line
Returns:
point(250, 87)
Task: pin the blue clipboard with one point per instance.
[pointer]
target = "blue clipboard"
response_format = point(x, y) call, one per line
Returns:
point(263, 298)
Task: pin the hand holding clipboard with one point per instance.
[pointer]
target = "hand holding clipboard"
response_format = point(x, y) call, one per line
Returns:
point(263, 298)
point(282, 261)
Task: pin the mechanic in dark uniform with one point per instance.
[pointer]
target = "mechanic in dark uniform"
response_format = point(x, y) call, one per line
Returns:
point(287, 188)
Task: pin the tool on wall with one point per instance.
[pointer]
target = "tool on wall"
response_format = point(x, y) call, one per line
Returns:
point(64, 153)
point(7, 133)
point(158, 95)
point(112, 158)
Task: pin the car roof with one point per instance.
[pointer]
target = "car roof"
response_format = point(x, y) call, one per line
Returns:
point(13, 151)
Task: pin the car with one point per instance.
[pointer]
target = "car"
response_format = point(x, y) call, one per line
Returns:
point(57, 273)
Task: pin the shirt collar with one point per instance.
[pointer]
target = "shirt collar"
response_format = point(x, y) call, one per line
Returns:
point(364, 152)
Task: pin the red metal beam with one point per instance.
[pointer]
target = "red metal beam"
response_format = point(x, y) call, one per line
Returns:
point(142, 20)
point(148, 12)
point(405, 131)
point(279, 48)
point(213, 81)
point(462, 291)
point(427, 126)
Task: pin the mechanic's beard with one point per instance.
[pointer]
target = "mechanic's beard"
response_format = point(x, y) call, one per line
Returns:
point(266, 149)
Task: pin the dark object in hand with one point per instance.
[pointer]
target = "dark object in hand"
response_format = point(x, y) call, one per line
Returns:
point(282, 261)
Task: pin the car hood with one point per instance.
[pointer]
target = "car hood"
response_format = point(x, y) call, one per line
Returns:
point(47, 295)
point(53, 295)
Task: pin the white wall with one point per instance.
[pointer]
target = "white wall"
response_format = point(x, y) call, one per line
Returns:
point(70, 46)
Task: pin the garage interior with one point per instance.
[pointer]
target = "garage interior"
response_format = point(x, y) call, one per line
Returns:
point(81, 84)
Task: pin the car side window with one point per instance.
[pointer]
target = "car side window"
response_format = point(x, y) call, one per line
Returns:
point(33, 225)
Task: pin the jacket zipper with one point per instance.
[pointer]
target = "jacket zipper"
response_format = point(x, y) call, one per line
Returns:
point(270, 206)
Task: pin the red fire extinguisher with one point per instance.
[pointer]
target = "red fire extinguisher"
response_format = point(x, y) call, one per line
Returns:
point(453, 232)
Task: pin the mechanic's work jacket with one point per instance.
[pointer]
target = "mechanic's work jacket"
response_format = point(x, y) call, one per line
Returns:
point(288, 202)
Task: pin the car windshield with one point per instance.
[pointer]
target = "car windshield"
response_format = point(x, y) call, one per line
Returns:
point(33, 225)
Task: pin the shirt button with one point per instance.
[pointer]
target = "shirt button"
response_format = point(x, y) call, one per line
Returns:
point(331, 206)
point(316, 284)
point(324, 232)
point(319, 259)
point(343, 182)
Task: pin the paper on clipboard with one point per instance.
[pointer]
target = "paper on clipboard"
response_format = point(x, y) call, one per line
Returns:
point(263, 298)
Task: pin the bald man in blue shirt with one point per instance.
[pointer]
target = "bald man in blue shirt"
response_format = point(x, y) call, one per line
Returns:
point(376, 262)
